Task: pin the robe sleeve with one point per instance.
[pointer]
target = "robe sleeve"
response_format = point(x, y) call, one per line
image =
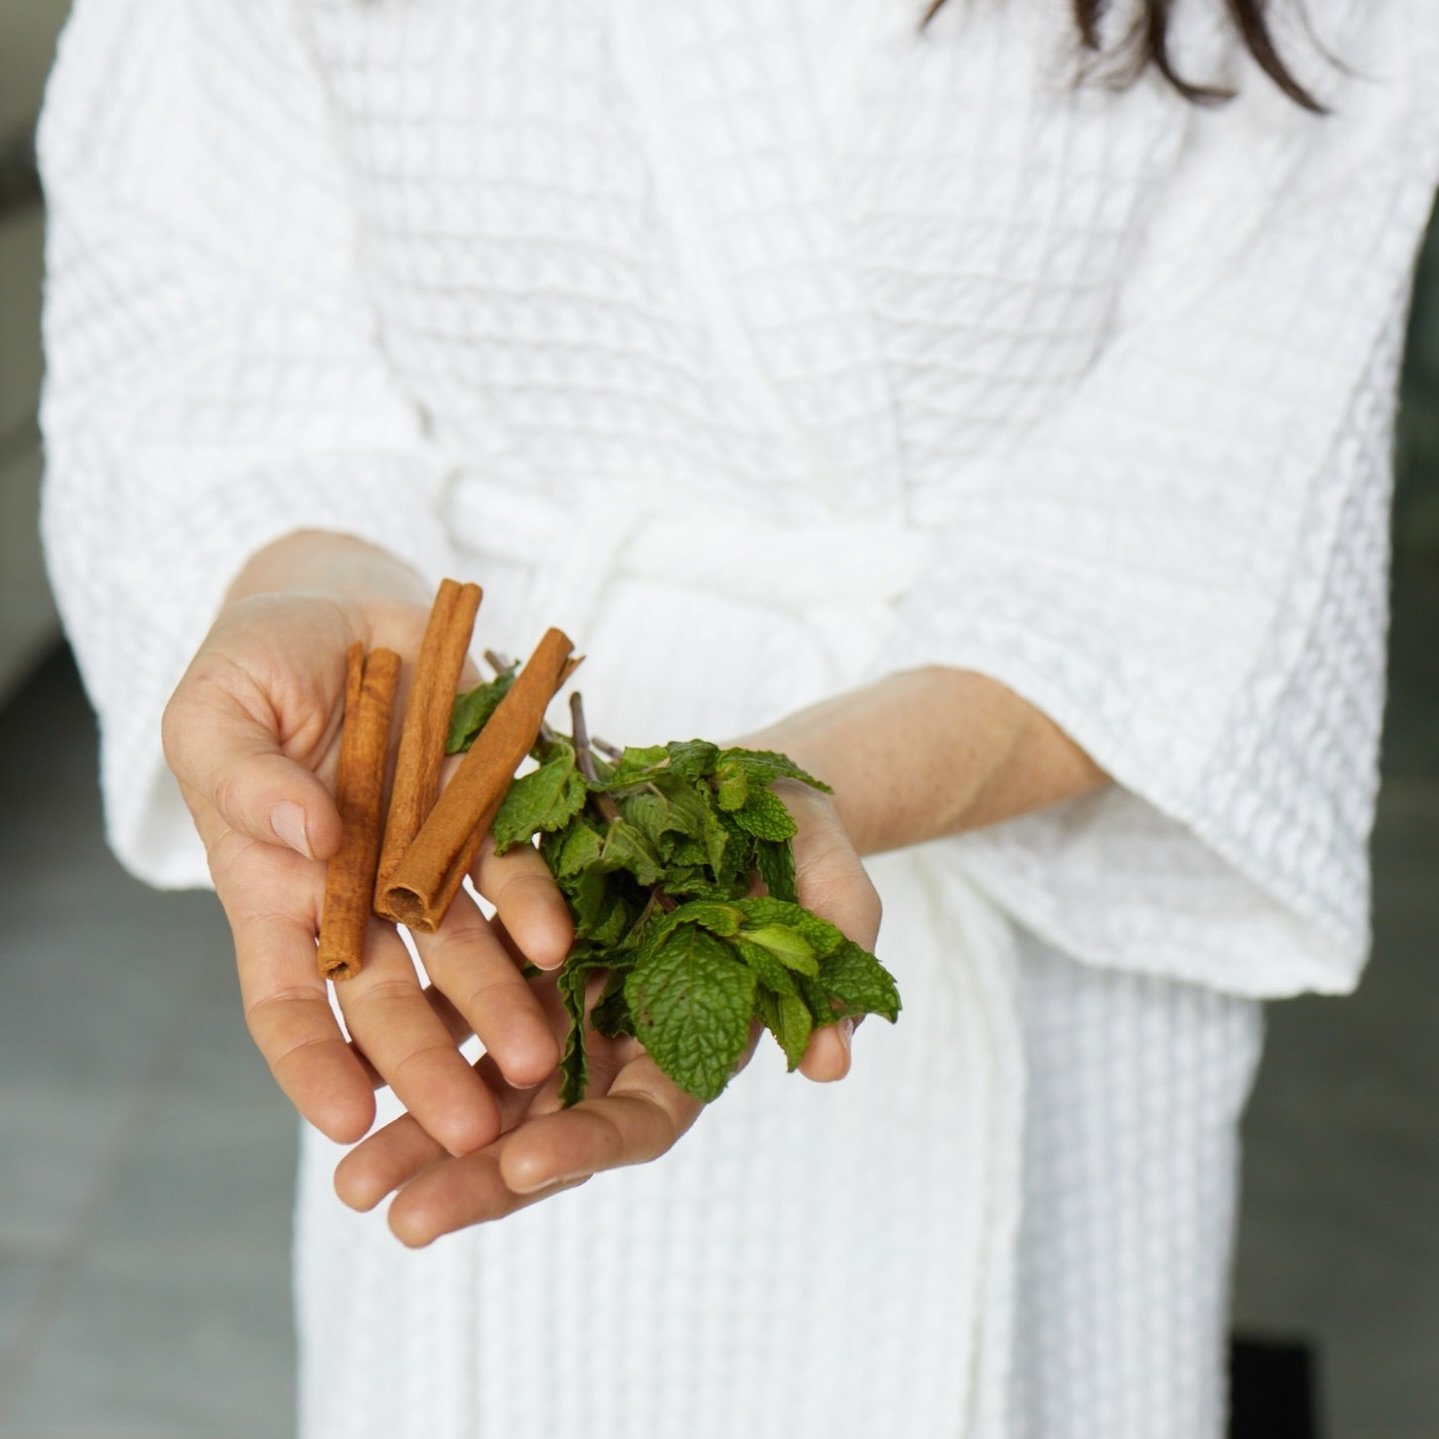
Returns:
point(215, 379)
point(1186, 567)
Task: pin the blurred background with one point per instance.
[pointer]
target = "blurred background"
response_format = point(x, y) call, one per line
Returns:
point(147, 1161)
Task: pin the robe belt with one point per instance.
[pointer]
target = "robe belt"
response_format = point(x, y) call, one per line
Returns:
point(823, 565)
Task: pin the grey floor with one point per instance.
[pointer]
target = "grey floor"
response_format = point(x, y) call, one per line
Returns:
point(146, 1158)
point(146, 1162)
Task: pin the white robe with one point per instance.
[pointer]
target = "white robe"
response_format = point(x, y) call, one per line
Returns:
point(769, 346)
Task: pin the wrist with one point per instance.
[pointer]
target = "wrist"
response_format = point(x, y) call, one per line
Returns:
point(930, 752)
point(878, 748)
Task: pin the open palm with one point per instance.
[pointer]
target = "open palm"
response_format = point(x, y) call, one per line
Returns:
point(252, 734)
point(632, 1113)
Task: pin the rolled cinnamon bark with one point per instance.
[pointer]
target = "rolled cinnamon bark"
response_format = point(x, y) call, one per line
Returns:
point(427, 723)
point(370, 684)
point(425, 882)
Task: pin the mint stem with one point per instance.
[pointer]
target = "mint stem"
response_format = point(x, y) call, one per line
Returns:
point(585, 758)
point(585, 762)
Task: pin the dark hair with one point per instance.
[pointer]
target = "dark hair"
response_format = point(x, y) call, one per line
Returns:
point(1148, 44)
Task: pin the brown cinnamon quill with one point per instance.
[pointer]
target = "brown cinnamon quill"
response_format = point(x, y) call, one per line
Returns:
point(427, 723)
point(370, 684)
point(425, 882)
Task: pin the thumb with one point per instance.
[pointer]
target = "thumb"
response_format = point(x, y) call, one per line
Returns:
point(833, 883)
point(830, 877)
point(232, 759)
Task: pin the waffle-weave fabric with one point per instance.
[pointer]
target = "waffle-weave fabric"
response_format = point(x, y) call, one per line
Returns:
point(781, 330)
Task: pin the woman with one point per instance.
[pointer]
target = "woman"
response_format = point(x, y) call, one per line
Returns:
point(1021, 436)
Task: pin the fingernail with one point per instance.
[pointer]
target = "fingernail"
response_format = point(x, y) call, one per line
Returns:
point(846, 1033)
point(287, 819)
point(552, 1183)
point(538, 1187)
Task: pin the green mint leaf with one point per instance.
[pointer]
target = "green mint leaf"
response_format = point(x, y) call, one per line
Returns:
point(692, 814)
point(769, 764)
point(636, 765)
point(682, 852)
point(651, 814)
point(765, 816)
point(739, 773)
point(769, 969)
point(640, 764)
point(717, 917)
point(625, 847)
point(601, 906)
point(719, 854)
point(823, 937)
point(739, 850)
point(774, 861)
point(697, 883)
point(794, 1028)
point(577, 847)
point(787, 1017)
point(661, 898)
point(574, 1067)
point(472, 710)
point(689, 881)
point(766, 1008)
point(545, 799)
point(732, 788)
point(856, 983)
point(615, 922)
point(611, 1015)
point(787, 945)
point(692, 1004)
point(574, 1061)
point(692, 811)
point(692, 758)
point(587, 893)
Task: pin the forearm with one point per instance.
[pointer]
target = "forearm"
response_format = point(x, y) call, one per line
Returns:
point(931, 752)
point(914, 756)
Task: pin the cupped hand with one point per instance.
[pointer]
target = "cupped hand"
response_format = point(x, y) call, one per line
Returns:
point(632, 1112)
point(252, 734)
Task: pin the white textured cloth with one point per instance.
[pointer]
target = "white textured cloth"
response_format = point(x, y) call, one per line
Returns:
point(1086, 390)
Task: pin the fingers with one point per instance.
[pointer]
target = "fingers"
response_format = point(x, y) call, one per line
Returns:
point(461, 1192)
point(287, 1008)
point(221, 739)
point(831, 881)
point(470, 966)
point(399, 1035)
point(531, 908)
point(272, 899)
point(827, 1056)
point(385, 1161)
point(546, 1152)
point(401, 1150)
point(641, 1117)
point(408, 1043)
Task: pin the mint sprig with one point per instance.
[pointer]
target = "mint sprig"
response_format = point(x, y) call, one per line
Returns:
point(656, 850)
point(473, 709)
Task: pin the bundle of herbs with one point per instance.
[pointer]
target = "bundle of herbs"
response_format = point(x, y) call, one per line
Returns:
point(676, 860)
point(677, 864)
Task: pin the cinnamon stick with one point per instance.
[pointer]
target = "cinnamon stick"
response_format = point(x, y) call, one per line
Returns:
point(427, 723)
point(370, 684)
point(428, 877)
